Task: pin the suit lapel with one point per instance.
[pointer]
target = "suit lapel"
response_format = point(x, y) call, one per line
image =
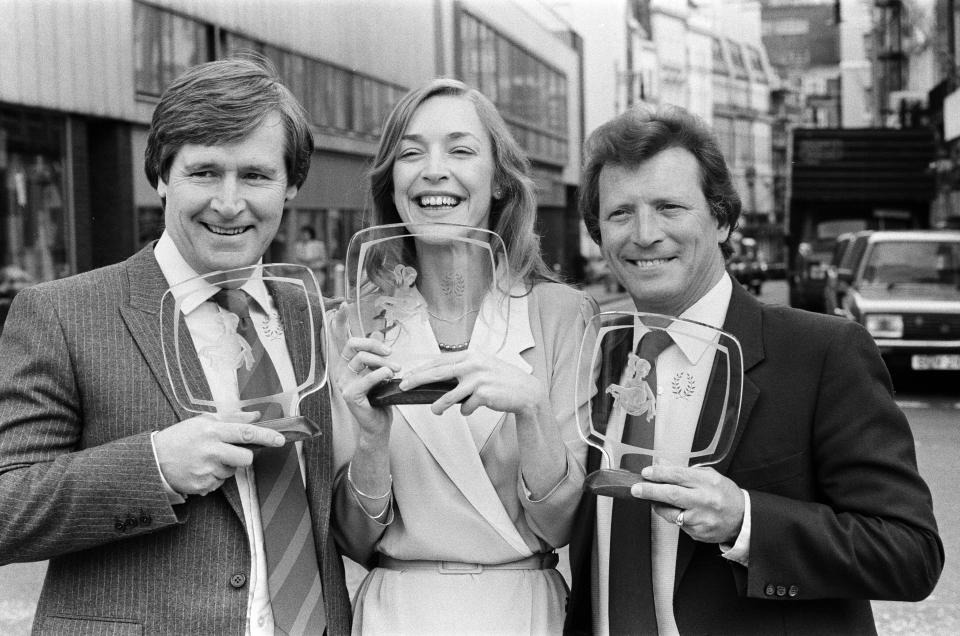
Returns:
point(142, 316)
point(146, 285)
point(298, 332)
point(745, 322)
point(450, 437)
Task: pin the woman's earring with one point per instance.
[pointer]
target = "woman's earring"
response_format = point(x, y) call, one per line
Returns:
point(497, 193)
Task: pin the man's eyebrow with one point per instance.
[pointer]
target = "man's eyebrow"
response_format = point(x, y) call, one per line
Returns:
point(453, 136)
point(268, 167)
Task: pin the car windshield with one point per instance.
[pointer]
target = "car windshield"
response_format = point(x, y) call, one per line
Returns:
point(895, 263)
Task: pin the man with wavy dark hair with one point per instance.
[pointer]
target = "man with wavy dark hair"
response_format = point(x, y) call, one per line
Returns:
point(150, 516)
point(819, 505)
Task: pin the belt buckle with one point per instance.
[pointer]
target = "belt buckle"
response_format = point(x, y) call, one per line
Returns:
point(455, 567)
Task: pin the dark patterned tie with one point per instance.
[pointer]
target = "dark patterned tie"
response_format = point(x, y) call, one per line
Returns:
point(631, 607)
point(293, 576)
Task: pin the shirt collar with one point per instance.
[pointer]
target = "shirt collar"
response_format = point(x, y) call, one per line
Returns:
point(190, 291)
point(711, 310)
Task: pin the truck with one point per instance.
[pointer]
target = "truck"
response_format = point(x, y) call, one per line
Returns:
point(845, 180)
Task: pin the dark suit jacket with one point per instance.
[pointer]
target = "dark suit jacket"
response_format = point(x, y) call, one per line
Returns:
point(839, 512)
point(82, 385)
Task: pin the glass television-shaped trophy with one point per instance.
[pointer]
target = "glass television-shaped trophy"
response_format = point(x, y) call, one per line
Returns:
point(253, 312)
point(661, 390)
point(427, 289)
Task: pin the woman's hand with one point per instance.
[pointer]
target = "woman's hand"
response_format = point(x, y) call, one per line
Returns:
point(360, 365)
point(483, 380)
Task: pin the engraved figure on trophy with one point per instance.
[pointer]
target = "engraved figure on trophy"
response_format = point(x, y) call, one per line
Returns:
point(662, 389)
point(635, 395)
point(257, 308)
point(392, 269)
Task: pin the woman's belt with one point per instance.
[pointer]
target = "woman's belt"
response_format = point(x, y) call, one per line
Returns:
point(541, 561)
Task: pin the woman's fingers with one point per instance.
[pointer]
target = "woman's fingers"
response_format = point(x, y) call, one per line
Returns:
point(355, 392)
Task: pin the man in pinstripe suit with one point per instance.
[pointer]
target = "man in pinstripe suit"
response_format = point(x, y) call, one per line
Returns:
point(145, 513)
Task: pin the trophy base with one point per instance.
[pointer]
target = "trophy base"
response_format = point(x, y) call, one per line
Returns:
point(389, 394)
point(293, 429)
point(611, 482)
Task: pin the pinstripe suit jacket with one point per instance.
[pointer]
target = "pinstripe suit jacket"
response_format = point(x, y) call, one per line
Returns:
point(82, 386)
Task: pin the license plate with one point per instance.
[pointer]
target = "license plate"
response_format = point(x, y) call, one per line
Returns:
point(944, 362)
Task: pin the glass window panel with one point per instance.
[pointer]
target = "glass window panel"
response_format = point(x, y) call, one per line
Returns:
point(736, 56)
point(297, 79)
point(342, 95)
point(504, 73)
point(183, 43)
point(720, 65)
point(488, 63)
point(356, 92)
point(369, 106)
point(234, 43)
point(34, 215)
point(147, 49)
point(469, 54)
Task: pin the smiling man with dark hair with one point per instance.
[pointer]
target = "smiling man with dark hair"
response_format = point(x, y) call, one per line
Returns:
point(819, 506)
point(156, 520)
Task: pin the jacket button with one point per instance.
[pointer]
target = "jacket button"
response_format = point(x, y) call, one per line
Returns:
point(769, 590)
point(793, 591)
point(118, 525)
point(145, 519)
point(238, 580)
point(781, 590)
point(131, 522)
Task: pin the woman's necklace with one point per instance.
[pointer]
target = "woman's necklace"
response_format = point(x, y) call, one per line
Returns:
point(449, 348)
point(457, 318)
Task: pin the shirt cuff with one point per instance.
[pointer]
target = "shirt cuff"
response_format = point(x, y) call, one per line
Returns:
point(739, 552)
point(172, 495)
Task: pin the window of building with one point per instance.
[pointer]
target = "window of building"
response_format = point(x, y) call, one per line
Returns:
point(736, 57)
point(723, 127)
point(756, 65)
point(36, 224)
point(338, 99)
point(166, 44)
point(529, 93)
point(329, 231)
point(720, 66)
point(743, 142)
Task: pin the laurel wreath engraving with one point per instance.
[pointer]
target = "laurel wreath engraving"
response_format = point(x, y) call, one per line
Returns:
point(271, 326)
point(683, 385)
point(452, 284)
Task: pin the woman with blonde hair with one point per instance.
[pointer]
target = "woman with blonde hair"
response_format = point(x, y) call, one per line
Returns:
point(458, 510)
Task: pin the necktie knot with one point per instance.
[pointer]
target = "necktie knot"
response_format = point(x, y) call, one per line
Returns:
point(653, 343)
point(235, 301)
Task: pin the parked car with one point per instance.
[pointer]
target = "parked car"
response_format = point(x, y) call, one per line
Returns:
point(839, 272)
point(904, 288)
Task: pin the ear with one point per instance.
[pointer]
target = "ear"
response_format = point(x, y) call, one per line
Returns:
point(723, 231)
point(291, 192)
point(161, 188)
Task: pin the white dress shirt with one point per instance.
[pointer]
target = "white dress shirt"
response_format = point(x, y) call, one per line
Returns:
point(677, 358)
point(202, 318)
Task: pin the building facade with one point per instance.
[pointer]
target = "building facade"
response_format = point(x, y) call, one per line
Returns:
point(704, 57)
point(79, 81)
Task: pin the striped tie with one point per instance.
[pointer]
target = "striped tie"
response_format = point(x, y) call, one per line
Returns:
point(293, 576)
point(631, 602)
